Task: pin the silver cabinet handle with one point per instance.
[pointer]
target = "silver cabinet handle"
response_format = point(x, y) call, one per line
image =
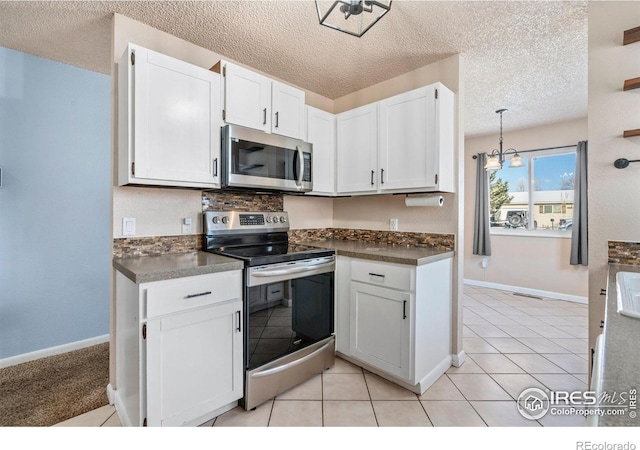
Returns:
point(239, 329)
point(264, 116)
point(199, 294)
point(215, 167)
point(404, 309)
point(0, 177)
point(381, 176)
point(372, 173)
point(376, 275)
point(277, 114)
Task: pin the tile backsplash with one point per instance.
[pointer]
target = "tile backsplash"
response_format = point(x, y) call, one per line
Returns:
point(440, 241)
point(156, 245)
point(241, 201)
point(621, 252)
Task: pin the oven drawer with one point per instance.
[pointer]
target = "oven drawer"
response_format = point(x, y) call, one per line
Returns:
point(166, 297)
point(382, 274)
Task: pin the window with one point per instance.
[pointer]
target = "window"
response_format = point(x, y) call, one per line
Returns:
point(537, 196)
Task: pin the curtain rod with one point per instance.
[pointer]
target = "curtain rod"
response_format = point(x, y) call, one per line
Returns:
point(539, 149)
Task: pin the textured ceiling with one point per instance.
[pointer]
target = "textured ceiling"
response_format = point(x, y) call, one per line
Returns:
point(528, 57)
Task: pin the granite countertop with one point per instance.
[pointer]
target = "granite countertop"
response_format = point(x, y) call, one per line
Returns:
point(144, 269)
point(621, 370)
point(391, 253)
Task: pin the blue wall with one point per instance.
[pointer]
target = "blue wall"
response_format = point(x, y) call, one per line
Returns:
point(54, 204)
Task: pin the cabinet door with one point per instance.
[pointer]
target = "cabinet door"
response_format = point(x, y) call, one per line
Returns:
point(408, 155)
point(321, 132)
point(380, 328)
point(357, 150)
point(287, 109)
point(247, 99)
point(194, 363)
point(174, 127)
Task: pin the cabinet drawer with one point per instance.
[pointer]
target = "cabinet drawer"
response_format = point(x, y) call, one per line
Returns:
point(391, 276)
point(165, 297)
point(275, 291)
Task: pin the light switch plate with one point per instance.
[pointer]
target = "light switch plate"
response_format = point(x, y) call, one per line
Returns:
point(128, 226)
point(393, 224)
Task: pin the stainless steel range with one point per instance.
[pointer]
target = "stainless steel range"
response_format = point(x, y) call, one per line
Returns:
point(288, 300)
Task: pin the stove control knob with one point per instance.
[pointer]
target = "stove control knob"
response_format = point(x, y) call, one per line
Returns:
point(216, 219)
point(283, 219)
point(225, 219)
point(268, 219)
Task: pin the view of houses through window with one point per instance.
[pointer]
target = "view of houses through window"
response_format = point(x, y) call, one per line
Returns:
point(537, 196)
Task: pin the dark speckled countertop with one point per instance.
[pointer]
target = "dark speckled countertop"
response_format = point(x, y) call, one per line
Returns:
point(621, 371)
point(399, 254)
point(144, 269)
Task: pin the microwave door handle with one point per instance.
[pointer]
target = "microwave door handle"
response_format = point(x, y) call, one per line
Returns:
point(300, 166)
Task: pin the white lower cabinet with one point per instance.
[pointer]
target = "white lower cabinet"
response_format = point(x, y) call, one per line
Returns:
point(179, 349)
point(380, 327)
point(395, 319)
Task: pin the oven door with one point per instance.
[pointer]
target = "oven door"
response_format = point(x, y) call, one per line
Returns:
point(290, 306)
point(290, 311)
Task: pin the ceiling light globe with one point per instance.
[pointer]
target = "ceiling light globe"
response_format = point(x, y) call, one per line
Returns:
point(493, 164)
point(516, 161)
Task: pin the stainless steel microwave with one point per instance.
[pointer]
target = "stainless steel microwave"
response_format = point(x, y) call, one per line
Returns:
point(257, 160)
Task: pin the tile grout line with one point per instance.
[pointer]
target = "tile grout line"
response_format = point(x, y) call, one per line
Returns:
point(375, 416)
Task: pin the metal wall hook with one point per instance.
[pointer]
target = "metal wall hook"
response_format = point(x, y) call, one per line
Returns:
point(623, 163)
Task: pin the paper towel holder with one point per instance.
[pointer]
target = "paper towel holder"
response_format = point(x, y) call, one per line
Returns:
point(426, 199)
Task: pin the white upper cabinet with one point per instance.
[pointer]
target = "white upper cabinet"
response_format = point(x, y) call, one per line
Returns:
point(287, 110)
point(255, 101)
point(405, 143)
point(247, 97)
point(357, 147)
point(168, 121)
point(321, 132)
point(407, 155)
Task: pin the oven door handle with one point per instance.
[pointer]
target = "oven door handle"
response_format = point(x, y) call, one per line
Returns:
point(266, 373)
point(290, 270)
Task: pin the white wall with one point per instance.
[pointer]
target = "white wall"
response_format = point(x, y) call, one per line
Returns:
point(539, 263)
point(614, 200)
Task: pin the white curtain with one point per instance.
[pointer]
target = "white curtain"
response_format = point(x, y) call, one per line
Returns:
point(481, 225)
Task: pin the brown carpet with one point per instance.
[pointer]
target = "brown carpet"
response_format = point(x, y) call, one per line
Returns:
point(49, 390)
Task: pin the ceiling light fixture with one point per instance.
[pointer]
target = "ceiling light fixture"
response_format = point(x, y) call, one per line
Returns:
point(498, 156)
point(354, 17)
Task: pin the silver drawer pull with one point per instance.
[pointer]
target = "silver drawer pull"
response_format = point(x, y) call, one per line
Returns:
point(376, 275)
point(198, 295)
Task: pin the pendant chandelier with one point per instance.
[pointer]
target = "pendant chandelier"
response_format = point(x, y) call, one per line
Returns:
point(498, 156)
point(354, 17)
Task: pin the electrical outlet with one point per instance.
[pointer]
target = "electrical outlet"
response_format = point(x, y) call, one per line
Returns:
point(485, 262)
point(186, 225)
point(393, 224)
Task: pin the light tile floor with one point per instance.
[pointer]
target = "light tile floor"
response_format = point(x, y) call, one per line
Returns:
point(512, 343)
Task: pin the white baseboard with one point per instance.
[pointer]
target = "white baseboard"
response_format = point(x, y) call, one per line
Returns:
point(529, 291)
point(51, 351)
point(458, 359)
